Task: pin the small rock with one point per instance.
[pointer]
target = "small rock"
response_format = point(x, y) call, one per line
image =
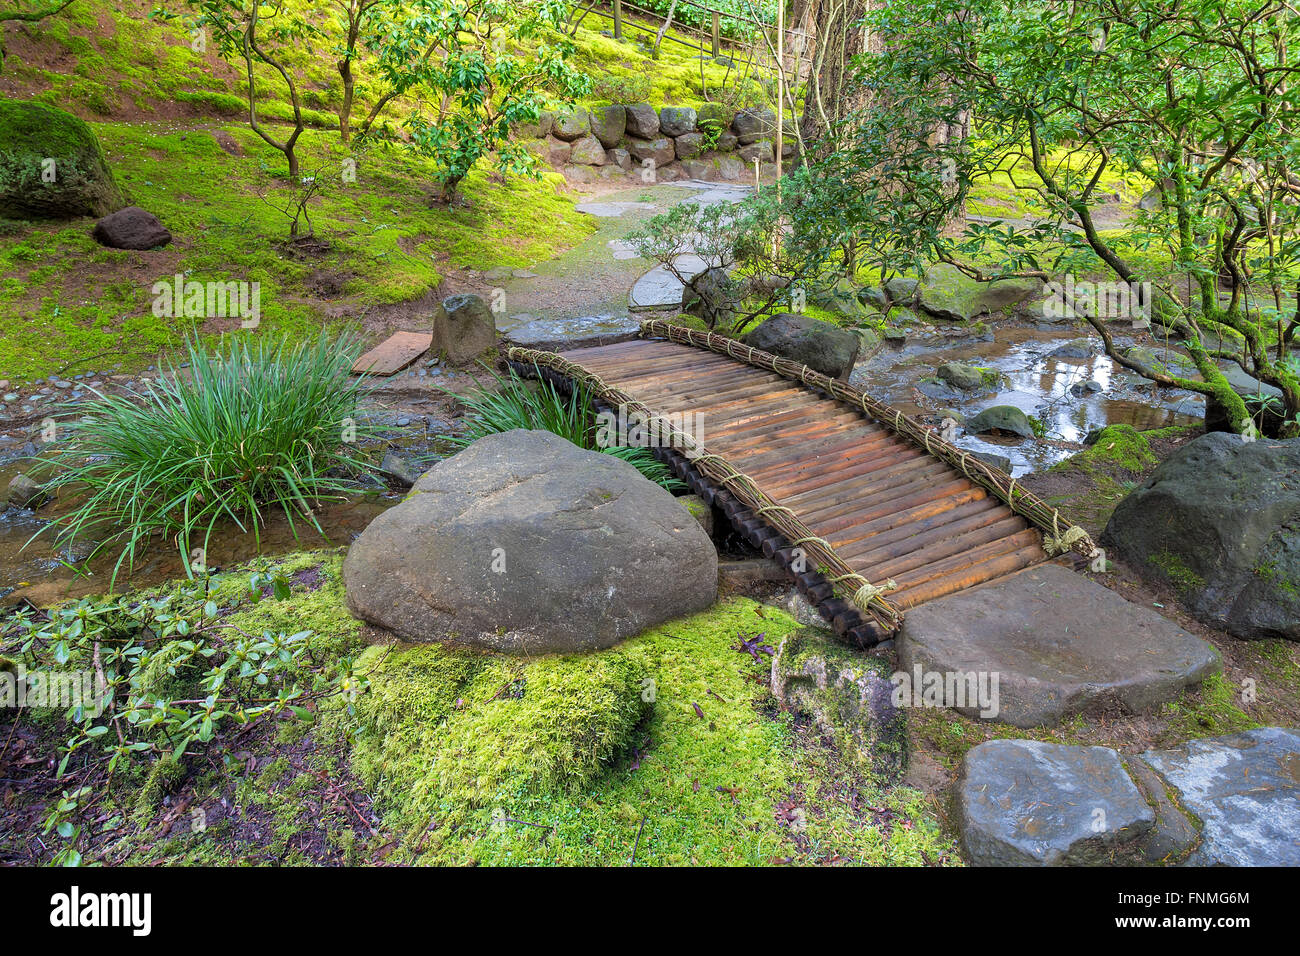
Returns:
point(25, 492)
point(959, 375)
point(398, 467)
point(1002, 418)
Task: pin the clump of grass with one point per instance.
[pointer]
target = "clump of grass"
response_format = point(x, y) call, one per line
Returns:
point(249, 431)
point(516, 402)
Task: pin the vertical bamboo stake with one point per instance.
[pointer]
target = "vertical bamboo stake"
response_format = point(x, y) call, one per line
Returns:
point(618, 19)
point(780, 86)
point(717, 34)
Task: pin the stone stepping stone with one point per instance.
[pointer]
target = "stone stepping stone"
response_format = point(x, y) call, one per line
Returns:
point(557, 335)
point(1028, 803)
point(660, 289)
point(1058, 645)
point(394, 353)
point(1245, 788)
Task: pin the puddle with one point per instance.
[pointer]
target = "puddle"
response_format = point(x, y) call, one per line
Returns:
point(1071, 394)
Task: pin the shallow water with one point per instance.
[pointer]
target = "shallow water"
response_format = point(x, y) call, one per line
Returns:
point(1030, 378)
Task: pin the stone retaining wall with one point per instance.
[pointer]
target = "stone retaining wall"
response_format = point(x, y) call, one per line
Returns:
point(676, 142)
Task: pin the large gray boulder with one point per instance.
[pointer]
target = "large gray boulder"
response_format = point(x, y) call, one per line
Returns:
point(661, 151)
point(608, 124)
point(948, 293)
point(819, 345)
point(587, 152)
point(526, 544)
point(962, 376)
point(571, 124)
point(1245, 789)
point(51, 165)
point(677, 120)
point(1057, 643)
point(1219, 521)
point(1028, 803)
point(753, 124)
point(463, 328)
point(642, 120)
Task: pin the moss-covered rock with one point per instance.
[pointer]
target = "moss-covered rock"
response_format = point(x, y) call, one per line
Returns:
point(51, 165)
point(950, 294)
point(849, 695)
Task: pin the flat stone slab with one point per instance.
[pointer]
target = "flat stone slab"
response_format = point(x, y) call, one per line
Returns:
point(394, 353)
point(660, 289)
point(1027, 803)
point(556, 335)
point(611, 210)
point(1057, 644)
point(1245, 788)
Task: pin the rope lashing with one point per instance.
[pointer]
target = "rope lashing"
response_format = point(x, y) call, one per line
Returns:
point(866, 592)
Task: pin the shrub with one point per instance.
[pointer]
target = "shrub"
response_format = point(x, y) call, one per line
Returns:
point(518, 403)
point(250, 429)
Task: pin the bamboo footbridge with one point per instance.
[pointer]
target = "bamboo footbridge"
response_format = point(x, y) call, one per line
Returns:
point(870, 510)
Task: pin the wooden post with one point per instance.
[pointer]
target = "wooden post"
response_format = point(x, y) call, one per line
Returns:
point(780, 86)
point(717, 34)
point(618, 19)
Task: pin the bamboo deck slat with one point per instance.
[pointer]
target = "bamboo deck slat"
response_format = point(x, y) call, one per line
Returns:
point(888, 508)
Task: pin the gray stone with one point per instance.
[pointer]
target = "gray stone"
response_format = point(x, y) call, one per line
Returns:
point(579, 174)
point(619, 157)
point(713, 118)
point(874, 297)
point(1027, 803)
point(730, 169)
point(1000, 462)
point(397, 466)
point(700, 510)
point(1073, 349)
point(753, 124)
point(1003, 418)
point(83, 182)
point(660, 288)
point(558, 334)
point(131, 228)
point(1059, 644)
point(802, 610)
point(24, 492)
point(571, 124)
point(539, 129)
point(1245, 789)
point(463, 329)
point(1175, 833)
point(557, 151)
point(901, 290)
point(1219, 521)
point(661, 151)
point(761, 151)
point(727, 142)
point(642, 121)
point(848, 694)
point(959, 375)
point(677, 120)
point(699, 169)
point(821, 346)
point(587, 152)
point(949, 294)
point(608, 124)
point(524, 543)
point(689, 145)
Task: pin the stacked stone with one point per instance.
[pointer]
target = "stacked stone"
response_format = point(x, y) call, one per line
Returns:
point(676, 142)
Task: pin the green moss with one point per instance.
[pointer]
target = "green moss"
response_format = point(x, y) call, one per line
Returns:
point(1122, 446)
point(1176, 571)
point(165, 775)
point(579, 760)
point(1210, 711)
point(173, 673)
